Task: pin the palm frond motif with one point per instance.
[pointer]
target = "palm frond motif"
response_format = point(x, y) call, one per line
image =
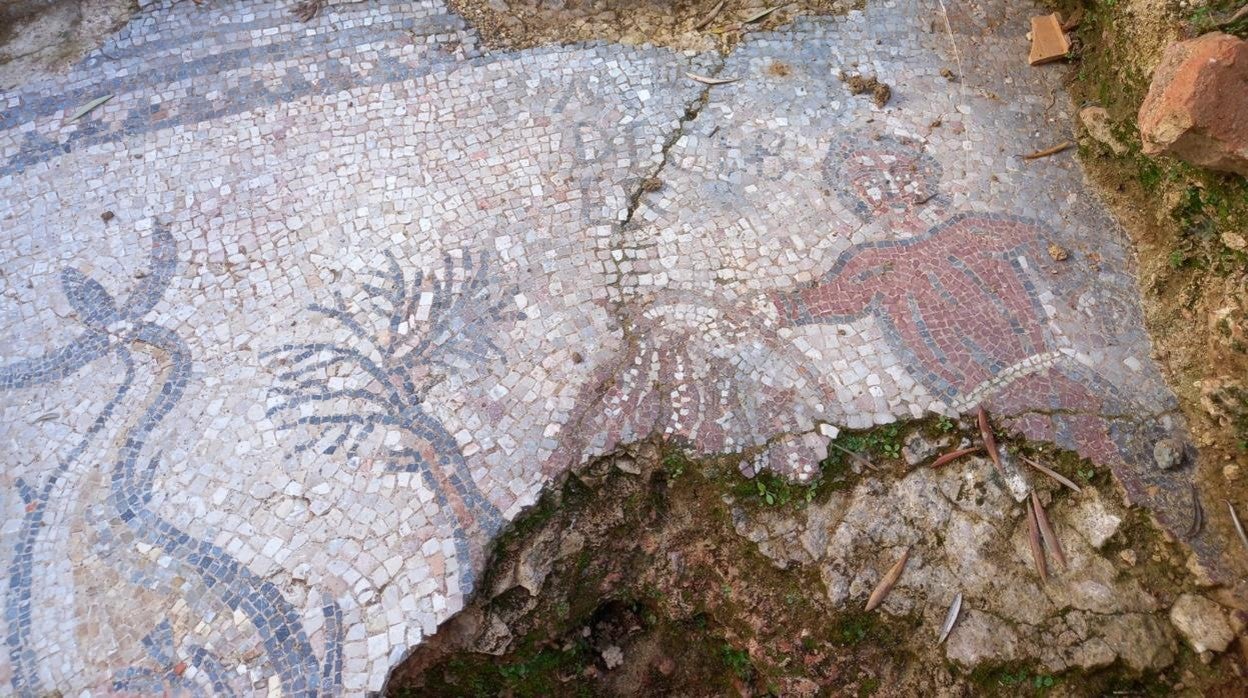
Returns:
point(398, 337)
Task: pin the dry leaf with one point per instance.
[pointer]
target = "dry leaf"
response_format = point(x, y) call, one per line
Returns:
point(1033, 537)
point(89, 107)
point(1046, 530)
point(1051, 473)
point(886, 584)
point(45, 417)
point(951, 618)
point(710, 81)
point(1239, 527)
point(953, 455)
point(990, 441)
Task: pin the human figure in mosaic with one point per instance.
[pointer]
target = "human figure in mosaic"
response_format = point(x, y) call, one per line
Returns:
point(955, 296)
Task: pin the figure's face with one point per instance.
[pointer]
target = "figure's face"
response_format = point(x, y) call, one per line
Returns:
point(885, 181)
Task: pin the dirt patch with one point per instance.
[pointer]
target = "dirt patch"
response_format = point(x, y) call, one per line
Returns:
point(41, 35)
point(860, 85)
point(700, 25)
point(1187, 226)
point(648, 573)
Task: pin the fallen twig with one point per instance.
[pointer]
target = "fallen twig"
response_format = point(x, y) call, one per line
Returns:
point(1048, 151)
point(953, 455)
point(710, 81)
point(760, 15)
point(857, 457)
point(1033, 537)
point(957, 57)
point(1051, 473)
point(1239, 527)
point(1046, 530)
point(886, 584)
point(1241, 13)
point(951, 618)
point(990, 440)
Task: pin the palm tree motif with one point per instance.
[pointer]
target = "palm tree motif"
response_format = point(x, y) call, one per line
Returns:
point(117, 327)
point(339, 394)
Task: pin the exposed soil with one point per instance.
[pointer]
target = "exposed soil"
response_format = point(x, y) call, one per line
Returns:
point(858, 85)
point(41, 35)
point(632, 577)
point(683, 24)
point(1187, 225)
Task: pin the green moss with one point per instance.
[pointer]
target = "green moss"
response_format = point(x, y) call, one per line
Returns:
point(737, 661)
point(1013, 679)
point(675, 462)
point(868, 686)
point(531, 672)
point(853, 628)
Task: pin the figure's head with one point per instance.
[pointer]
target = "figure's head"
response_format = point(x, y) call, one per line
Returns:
point(881, 176)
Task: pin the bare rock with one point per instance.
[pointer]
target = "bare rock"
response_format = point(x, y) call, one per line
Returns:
point(1096, 121)
point(1196, 104)
point(1168, 454)
point(967, 536)
point(919, 448)
point(1087, 641)
point(1224, 399)
point(1091, 518)
point(1142, 641)
point(626, 464)
point(981, 637)
point(612, 657)
point(1202, 623)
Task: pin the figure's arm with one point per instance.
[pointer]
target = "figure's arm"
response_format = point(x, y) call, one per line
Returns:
point(842, 294)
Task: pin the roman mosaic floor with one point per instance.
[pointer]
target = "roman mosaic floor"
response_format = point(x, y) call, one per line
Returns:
point(302, 315)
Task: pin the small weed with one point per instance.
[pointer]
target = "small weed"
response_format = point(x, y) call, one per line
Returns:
point(853, 628)
point(1020, 678)
point(1150, 175)
point(868, 687)
point(884, 441)
point(763, 493)
point(675, 462)
point(945, 424)
point(776, 491)
point(1202, 19)
point(738, 661)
